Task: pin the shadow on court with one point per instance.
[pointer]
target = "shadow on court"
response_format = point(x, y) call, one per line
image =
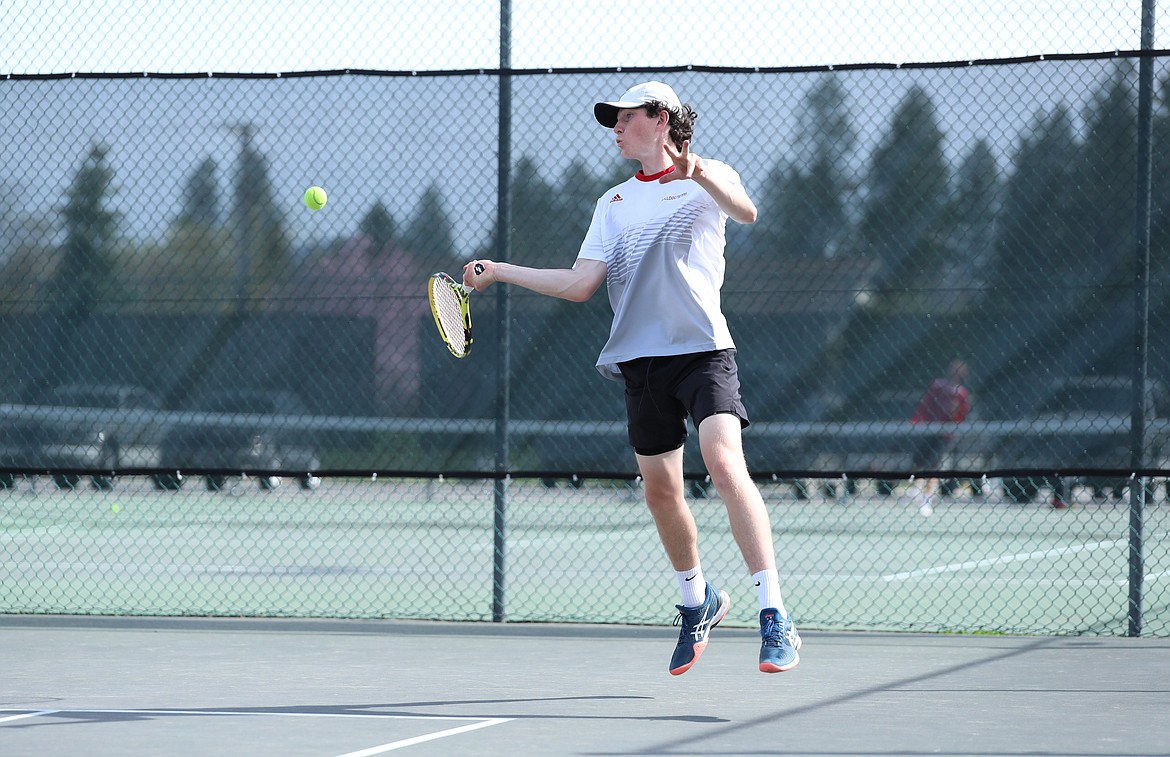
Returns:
point(115, 686)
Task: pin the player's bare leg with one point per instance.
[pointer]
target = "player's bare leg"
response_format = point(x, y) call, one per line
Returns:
point(663, 476)
point(721, 443)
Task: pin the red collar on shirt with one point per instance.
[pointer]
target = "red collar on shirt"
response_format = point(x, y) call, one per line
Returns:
point(653, 177)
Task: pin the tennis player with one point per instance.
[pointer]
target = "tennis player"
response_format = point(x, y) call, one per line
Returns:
point(657, 241)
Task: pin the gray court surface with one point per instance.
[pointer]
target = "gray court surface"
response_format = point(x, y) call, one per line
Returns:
point(128, 686)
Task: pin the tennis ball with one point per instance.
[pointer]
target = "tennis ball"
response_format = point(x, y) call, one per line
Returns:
point(115, 508)
point(315, 198)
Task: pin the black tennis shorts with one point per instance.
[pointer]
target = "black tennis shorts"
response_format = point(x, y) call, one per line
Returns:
point(662, 391)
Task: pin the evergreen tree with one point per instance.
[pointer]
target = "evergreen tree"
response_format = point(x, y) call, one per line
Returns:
point(803, 211)
point(548, 223)
point(263, 246)
point(1160, 180)
point(575, 200)
point(84, 272)
point(379, 226)
point(906, 192)
point(537, 233)
point(429, 235)
point(195, 266)
point(1103, 201)
point(972, 221)
point(83, 275)
point(1034, 234)
point(1159, 359)
point(201, 197)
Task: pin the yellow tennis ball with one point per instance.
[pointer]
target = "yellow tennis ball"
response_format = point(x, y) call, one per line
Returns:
point(315, 198)
point(115, 508)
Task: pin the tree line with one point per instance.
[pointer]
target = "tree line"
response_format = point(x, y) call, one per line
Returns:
point(1053, 231)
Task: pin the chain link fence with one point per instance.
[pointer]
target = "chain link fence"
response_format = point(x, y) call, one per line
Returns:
point(215, 401)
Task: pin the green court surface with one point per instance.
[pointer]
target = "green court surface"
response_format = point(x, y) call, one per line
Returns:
point(425, 550)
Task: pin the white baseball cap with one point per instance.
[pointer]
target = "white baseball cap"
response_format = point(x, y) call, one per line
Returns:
point(636, 97)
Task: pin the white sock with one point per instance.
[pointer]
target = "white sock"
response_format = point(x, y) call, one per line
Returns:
point(768, 590)
point(692, 585)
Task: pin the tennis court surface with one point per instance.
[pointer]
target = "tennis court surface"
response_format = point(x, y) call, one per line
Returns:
point(116, 686)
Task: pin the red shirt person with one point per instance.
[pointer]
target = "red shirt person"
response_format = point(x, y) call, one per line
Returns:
point(945, 400)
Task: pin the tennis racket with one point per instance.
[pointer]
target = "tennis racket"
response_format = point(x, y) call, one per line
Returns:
point(451, 307)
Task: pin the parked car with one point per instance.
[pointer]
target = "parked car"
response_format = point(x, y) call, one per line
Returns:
point(1095, 414)
point(84, 426)
point(265, 443)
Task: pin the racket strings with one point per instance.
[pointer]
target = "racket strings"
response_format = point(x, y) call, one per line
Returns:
point(449, 314)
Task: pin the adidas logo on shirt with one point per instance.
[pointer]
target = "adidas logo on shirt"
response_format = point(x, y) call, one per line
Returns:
point(616, 198)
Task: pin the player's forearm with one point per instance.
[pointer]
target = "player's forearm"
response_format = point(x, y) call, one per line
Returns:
point(566, 283)
point(730, 196)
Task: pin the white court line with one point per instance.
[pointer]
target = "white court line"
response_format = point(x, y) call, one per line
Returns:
point(251, 713)
point(22, 716)
point(955, 567)
point(380, 749)
point(422, 739)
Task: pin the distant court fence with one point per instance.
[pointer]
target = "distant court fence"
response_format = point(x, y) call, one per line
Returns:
point(173, 318)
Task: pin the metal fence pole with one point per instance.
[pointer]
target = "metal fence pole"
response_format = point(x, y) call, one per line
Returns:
point(1137, 492)
point(503, 317)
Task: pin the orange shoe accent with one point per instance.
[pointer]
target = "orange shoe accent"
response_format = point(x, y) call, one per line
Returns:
point(767, 667)
point(684, 668)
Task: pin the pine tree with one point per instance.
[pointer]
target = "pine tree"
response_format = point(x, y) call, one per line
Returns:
point(201, 197)
point(195, 266)
point(1034, 233)
point(805, 202)
point(535, 233)
point(84, 273)
point(907, 190)
point(1160, 180)
point(87, 261)
point(429, 235)
point(262, 244)
point(972, 223)
point(1103, 203)
point(379, 227)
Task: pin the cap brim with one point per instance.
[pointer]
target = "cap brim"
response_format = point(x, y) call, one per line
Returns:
point(606, 113)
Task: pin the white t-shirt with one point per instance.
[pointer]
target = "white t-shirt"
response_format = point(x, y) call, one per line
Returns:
point(662, 245)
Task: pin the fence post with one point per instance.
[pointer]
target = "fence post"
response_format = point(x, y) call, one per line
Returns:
point(1137, 491)
point(503, 318)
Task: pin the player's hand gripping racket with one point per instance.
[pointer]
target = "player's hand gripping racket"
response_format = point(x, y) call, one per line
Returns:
point(452, 310)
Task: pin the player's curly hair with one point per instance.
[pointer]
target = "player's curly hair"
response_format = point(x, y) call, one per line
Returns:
point(682, 121)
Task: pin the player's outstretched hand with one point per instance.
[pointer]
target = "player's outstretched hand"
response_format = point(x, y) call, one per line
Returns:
point(686, 163)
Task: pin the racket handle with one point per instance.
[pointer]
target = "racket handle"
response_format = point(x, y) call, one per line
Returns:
point(478, 270)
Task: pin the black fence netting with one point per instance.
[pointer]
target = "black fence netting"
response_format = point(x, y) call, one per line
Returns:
point(970, 211)
point(160, 265)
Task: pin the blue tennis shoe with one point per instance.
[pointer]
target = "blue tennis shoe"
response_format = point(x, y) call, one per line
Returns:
point(697, 623)
point(780, 649)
